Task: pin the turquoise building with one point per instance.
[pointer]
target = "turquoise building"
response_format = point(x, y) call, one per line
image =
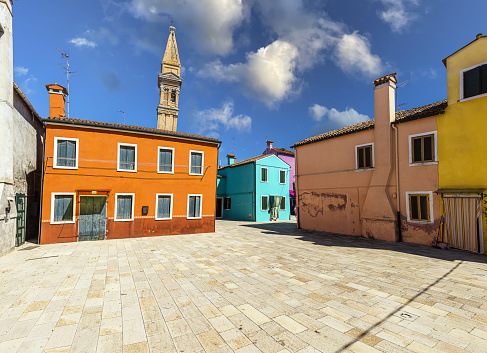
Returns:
point(254, 189)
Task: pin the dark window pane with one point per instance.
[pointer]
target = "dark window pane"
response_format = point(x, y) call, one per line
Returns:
point(228, 203)
point(413, 204)
point(471, 83)
point(368, 157)
point(191, 206)
point(173, 96)
point(164, 207)
point(282, 176)
point(263, 174)
point(63, 208)
point(283, 203)
point(483, 78)
point(165, 160)
point(194, 206)
point(66, 153)
point(124, 207)
point(428, 148)
point(264, 203)
point(423, 202)
point(127, 157)
point(361, 159)
point(196, 163)
point(417, 150)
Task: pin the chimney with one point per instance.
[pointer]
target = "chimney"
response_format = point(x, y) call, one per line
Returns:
point(57, 100)
point(269, 145)
point(230, 159)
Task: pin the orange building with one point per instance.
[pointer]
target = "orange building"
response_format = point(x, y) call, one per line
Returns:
point(107, 181)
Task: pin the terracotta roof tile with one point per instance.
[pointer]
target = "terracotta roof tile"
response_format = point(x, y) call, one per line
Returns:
point(283, 151)
point(401, 116)
point(129, 128)
point(245, 161)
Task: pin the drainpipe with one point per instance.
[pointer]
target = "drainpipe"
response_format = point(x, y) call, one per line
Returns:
point(396, 148)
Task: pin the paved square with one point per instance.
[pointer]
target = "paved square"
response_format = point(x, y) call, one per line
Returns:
point(246, 288)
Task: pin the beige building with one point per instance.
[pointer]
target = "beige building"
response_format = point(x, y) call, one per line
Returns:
point(375, 179)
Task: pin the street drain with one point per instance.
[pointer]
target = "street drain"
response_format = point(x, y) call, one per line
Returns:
point(407, 316)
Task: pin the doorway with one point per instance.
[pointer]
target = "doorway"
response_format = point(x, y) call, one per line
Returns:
point(219, 207)
point(92, 224)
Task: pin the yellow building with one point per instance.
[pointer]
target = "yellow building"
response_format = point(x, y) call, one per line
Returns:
point(462, 148)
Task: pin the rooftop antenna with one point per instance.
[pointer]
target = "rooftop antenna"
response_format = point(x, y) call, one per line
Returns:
point(121, 111)
point(397, 86)
point(233, 150)
point(67, 75)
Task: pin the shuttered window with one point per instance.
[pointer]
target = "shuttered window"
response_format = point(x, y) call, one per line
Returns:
point(282, 177)
point(196, 163)
point(66, 153)
point(228, 203)
point(364, 157)
point(165, 160)
point(124, 207)
point(63, 208)
point(419, 207)
point(475, 81)
point(263, 175)
point(282, 205)
point(423, 149)
point(126, 158)
point(194, 206)
point(264, 203)
point(163, 207)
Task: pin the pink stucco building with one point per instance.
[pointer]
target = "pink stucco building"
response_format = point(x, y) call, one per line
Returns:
point(288, 157)
point(375, 179)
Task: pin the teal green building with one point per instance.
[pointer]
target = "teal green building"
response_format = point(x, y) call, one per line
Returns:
point(255, 189)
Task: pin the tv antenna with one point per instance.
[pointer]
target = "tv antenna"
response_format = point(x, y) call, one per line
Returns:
point(67, 75)
point(121, 111)
point(233, 150)
point(397, 86)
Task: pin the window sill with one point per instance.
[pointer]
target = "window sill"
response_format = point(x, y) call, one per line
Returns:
point(420, 222)
point(424, 163)
point(265, 182)
point(474, 97)
point(159, 172)
point(66, 222)
point(123, 220)
point(63, 167)
point(127, 170)
point(364, 169)
point(163, 219)
point(196, 174)
point(193, 217)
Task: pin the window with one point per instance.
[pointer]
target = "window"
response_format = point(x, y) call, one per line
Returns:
point(62, 210)
point(196, 163)
point(124, 207)
point(194, 206)
point(65, 153)
point(422, 148)
point(163, 206)
point(282, 206)
point(263, 175)
point(127, 157)
point(420, 206)
point(473, 81)
point(228, 203)
point(264, 203)
point(173, 96)
point(165, 161)
point(282, 177)
point(364, 158)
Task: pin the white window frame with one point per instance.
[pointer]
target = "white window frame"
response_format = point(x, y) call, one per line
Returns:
point(285, 175)
point(115, 219)
point(356, 158)
point(267, 175)
point(461, 83)
point(159, 148)
point(224, 204)
point(157, 203)
point(261, 196)
point(56, 139)
point(410, 138)
point(118, 157)
point(430, 193)
point(201, 206)
point(53, 194)
point(285, 204)
point(202, 162)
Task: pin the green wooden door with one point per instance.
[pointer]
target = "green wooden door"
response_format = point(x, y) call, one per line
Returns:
point(20, 204)
point(92, 218)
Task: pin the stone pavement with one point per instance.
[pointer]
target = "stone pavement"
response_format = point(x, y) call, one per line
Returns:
point(246, 288)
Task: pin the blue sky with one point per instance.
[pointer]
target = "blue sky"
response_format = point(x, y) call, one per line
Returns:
point(253, 69)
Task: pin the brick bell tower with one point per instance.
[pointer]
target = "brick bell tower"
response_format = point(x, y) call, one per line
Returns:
point(169, 82)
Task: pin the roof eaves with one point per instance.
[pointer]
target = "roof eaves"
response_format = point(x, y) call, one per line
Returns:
point(26, 101)
point(478, 37)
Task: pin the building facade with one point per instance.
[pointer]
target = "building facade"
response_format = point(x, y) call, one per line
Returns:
point(288, 157)
point(255, 189)
point(375, 179)
point(461, 147)
point(21, 145)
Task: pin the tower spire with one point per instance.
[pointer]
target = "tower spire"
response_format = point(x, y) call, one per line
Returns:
point(170, 82)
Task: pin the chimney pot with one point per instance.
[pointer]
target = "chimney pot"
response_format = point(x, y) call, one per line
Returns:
point(231, 159)
point(480, 35)
point(57, 100)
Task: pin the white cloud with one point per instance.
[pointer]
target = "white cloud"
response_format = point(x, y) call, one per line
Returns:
point(353, 54)
point(397, 13)
point(335, 119)
point(317, 112)
point(212, 120)
point(83, 42)
point(211, 22)
point(20, 71)
point(26, 85)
